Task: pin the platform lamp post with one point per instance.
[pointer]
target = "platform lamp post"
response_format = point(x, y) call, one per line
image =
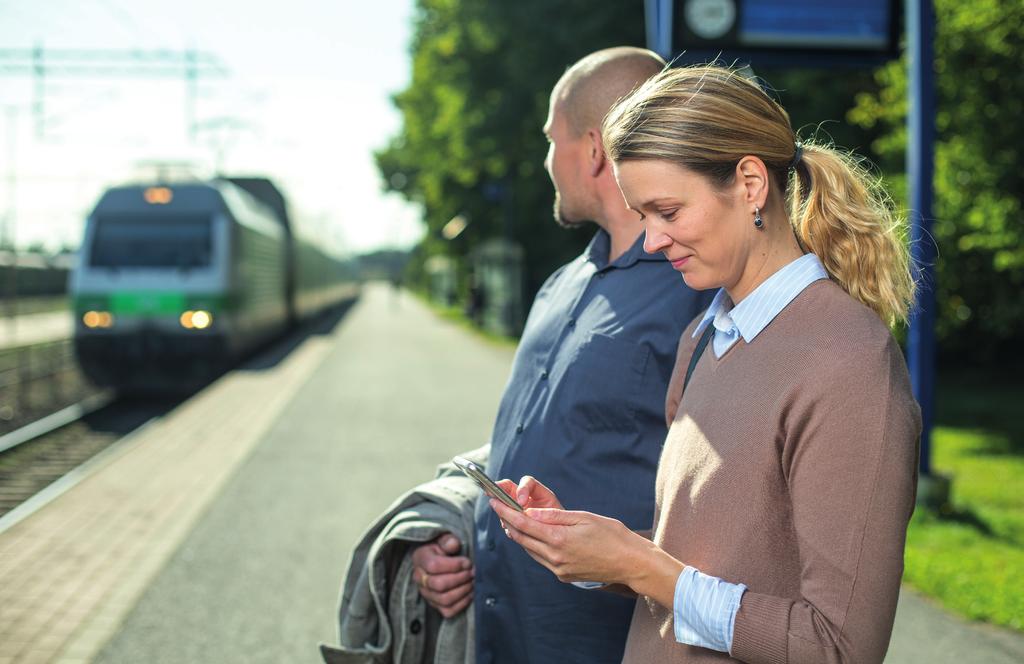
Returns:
point(933, 489)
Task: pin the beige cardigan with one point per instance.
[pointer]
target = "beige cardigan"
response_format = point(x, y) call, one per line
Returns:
point(790, 466)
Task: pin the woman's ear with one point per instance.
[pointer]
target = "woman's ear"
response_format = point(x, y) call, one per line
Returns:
point(752, 178)
point(596, 160)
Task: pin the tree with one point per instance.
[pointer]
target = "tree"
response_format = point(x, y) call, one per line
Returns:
point(979, 183)
point(471, 140)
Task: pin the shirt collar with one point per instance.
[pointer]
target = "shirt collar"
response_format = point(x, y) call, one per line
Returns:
point(601, 245)
point(761, 307)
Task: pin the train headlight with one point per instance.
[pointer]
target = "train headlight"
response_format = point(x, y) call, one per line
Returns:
point(196, 320)
point(94, 319)
point(201, 320)
point(158, 195)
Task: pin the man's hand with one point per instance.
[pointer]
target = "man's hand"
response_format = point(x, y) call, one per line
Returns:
point(445, 578)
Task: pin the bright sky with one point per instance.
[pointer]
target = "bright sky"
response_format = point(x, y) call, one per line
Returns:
point(307, 93)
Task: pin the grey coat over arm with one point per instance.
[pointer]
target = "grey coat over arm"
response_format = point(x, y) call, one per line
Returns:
point(381, 617)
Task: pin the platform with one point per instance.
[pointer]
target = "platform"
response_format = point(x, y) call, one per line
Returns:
point(33, 329)
point(220, 532)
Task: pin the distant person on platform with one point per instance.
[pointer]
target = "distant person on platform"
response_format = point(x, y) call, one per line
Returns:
point(583, 406)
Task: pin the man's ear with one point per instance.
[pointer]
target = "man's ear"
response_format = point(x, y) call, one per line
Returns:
point(752, 178)
point(596, 160)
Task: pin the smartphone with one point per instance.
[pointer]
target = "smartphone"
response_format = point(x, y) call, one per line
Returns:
point(476, 473)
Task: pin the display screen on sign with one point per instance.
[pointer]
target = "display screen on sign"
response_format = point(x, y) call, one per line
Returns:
point(853, 26)
point(832, 24)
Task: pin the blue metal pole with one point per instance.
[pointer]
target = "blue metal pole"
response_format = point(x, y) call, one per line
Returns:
point(658, 19)
point(920, 172)
point(651, 23)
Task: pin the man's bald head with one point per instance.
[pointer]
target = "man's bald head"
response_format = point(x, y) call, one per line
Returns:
point(588, 90)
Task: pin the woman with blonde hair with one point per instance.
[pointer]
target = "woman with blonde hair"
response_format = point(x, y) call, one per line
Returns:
point(788, 475)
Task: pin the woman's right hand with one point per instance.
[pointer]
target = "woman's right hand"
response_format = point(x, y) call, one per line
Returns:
point(531, 493)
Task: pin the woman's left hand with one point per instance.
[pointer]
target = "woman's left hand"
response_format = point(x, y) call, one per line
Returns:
point(575, 546)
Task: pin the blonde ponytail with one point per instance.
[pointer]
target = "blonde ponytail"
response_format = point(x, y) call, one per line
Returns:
point(843, 215)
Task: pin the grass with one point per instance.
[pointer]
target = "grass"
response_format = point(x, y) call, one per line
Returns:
point(457, 315)
point(971, 557)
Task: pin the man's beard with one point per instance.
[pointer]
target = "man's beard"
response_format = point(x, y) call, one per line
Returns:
point(561, 217)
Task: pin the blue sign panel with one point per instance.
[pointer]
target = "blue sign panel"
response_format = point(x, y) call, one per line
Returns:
point(863, 30)
point(834, 24)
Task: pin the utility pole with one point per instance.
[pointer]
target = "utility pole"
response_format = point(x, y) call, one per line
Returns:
point(191, 91)
point(39, 90)
point(7, 235)
point(12, 176)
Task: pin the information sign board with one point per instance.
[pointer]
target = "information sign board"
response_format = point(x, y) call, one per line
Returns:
point(797, 31)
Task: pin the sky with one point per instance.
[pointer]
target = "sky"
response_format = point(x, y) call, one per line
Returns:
point(305, 101)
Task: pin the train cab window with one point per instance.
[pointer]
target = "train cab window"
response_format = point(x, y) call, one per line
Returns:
point(167, 241)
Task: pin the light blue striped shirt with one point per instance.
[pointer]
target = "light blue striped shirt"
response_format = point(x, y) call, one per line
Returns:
point(704, 607)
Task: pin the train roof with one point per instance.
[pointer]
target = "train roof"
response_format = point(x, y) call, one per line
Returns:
point(198, 197)
point(178, 197)
point(194, 195)
point(265, 191)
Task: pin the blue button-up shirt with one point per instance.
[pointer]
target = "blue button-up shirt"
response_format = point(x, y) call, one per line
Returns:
point(583, 412)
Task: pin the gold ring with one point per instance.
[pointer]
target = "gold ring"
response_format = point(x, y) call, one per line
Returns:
point(423, 579)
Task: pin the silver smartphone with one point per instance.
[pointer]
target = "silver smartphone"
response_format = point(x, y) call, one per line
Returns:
point(476, 473)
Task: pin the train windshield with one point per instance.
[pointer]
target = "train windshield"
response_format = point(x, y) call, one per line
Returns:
point(171, 241)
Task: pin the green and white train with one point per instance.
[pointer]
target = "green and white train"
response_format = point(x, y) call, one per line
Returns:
point(176, 282)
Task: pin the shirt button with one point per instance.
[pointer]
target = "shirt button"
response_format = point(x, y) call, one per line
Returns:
point(415, 626)
point(491, 601)
point(544, 375)
point(600, 275)
point(572, 322)
point(490, 544)
point(519, 428)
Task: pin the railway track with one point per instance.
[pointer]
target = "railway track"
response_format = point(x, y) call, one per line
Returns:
point(44, 458)
point(52, 456)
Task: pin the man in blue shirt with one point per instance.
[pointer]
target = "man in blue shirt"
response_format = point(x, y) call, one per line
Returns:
point(583, 410)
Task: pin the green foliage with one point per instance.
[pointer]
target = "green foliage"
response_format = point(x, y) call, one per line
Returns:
point(972, 559)
point(817, 101)
point(471, 140)
point(979, 184)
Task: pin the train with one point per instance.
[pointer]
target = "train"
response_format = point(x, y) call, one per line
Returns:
point(177, 282)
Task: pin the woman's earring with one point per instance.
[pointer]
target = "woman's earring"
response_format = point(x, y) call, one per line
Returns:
point(758, 221)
